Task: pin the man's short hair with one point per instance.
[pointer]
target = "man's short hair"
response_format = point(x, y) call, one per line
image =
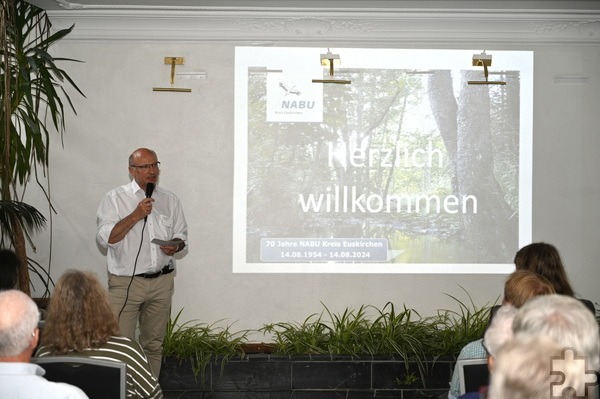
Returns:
point(500, 330)
point(524, 369)
point(19, 317)
point(564, 319)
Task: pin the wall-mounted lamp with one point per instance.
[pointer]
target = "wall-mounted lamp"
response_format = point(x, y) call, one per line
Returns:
point(329, 60)
point(484, 60)
point(173, 61)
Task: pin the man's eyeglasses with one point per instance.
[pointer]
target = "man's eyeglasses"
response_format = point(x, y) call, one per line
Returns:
point(147, 166)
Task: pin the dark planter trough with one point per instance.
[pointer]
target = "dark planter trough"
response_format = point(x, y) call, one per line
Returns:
point(272, 376)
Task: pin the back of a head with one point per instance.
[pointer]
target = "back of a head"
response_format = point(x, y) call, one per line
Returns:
point(500, 329)
point(524, 370)
point(564, 319)
point(80, 315)
point(9, 269)
point(18, 320)
point(522, 285)
point(544, 259)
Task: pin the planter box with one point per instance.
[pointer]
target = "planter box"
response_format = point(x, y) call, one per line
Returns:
point(271, 376)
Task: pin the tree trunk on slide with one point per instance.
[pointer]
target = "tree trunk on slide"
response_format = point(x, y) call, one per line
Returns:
point(466, 130)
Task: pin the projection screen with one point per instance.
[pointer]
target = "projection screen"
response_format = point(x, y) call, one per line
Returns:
point(413, 166)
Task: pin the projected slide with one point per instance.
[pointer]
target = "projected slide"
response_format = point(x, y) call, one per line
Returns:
point(412, 167)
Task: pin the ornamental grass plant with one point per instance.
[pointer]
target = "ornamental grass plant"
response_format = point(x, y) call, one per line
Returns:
point(366, 331)
point(451, 330)
point(202, 343)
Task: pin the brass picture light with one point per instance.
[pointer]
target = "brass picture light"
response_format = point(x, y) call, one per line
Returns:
point(484, 60)
point(329, 60)
point(173, 61)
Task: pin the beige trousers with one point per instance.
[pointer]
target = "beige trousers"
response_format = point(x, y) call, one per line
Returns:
point(143, 303)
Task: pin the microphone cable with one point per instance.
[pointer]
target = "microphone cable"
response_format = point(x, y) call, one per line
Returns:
point(149, 190)
point(134, 267)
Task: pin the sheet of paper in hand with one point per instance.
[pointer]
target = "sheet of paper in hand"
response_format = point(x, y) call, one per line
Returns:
point(167, 243)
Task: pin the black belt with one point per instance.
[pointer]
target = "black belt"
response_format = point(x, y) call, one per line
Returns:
point(164, 270)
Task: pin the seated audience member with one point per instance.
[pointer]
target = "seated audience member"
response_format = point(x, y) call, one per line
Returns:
point(19, 333)
point(496, 335)
point(564, 319)
point(81, 322)
point(523, 369)
point(544, 259)
point(520, 286)
point(499, 332)
point(9, 269)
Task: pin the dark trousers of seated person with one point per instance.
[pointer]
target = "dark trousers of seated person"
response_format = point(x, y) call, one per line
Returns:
point(149, 304)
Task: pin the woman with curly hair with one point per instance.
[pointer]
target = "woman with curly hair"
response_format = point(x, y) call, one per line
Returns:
point(81, 322)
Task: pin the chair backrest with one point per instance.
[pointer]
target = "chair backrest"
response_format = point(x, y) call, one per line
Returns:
point(472, 374)
point(98, 378)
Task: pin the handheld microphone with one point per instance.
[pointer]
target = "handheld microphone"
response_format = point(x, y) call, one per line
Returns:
point(149, 191)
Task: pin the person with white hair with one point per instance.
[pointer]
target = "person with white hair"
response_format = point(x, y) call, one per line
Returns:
point(499, 332)
point(520, 286)
point(19, 334)
point(537, 367)
point(555, 352)
point(564, 319)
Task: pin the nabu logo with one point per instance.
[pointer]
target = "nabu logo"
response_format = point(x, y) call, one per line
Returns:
point(297, 104)
point(289, 90)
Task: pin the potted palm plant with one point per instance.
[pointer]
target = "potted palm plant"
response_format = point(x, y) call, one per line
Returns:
point(33, 101)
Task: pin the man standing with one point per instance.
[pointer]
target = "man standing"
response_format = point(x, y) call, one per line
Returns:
point(19, 336)
point(142, 227)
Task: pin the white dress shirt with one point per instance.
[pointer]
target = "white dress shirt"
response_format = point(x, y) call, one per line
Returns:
point(26, 381)
point(165, 222)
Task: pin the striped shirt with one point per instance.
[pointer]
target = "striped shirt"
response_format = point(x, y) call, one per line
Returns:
point(141, 384)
